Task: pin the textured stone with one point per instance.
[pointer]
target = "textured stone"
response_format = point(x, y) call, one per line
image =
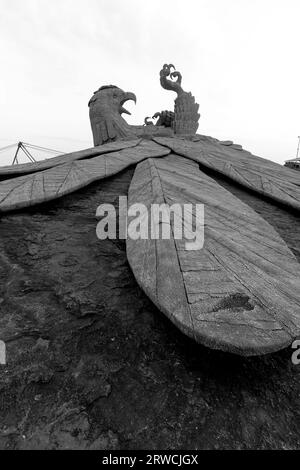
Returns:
point(238, 292)
point(166, 391)
point(262, 176)
point(50, 184)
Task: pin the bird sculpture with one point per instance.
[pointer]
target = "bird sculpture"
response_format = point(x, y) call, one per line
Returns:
point(238, 291)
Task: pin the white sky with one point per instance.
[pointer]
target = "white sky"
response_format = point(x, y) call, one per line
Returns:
point(240, 59)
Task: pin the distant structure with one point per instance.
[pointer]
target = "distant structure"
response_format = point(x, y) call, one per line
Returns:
point(26, 149)
point(294, 163)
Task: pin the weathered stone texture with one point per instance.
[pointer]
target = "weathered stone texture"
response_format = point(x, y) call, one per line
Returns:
point(93, 364)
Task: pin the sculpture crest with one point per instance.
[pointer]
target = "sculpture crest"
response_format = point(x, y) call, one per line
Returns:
point(186, 115)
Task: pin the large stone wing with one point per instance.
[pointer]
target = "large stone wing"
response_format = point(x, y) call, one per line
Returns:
point(257, 174)
point(240, 292)
point(27, 168)
point(53, 183)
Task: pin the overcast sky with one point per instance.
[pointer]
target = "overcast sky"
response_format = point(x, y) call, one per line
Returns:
point(240, 59)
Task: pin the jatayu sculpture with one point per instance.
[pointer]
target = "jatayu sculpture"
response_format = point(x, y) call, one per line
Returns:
point(240, 292)
point(106, 109)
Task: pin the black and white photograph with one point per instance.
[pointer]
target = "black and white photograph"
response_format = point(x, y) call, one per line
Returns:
point(149, 229)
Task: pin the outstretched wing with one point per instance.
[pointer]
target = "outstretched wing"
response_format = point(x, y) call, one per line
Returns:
point(27, 168)
point(240, 292)
point(43, 186)
point(258, 174)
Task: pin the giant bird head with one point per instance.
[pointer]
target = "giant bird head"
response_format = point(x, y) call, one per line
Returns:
point(106, 109)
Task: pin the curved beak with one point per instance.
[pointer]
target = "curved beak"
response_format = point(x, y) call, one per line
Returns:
point(127, 96)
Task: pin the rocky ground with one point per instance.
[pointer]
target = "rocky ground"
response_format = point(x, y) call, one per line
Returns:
point(92, 364)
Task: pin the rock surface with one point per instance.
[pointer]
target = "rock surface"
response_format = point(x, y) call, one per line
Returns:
point(92, 364)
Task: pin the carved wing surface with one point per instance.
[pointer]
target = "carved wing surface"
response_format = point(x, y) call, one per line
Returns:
point(25, 168)
point(262, 176)
point(58, 181)
point(240, 292)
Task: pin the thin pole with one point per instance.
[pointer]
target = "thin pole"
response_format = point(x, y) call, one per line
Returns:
point(27, 153)
point(298, 146)
point(15, 160)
